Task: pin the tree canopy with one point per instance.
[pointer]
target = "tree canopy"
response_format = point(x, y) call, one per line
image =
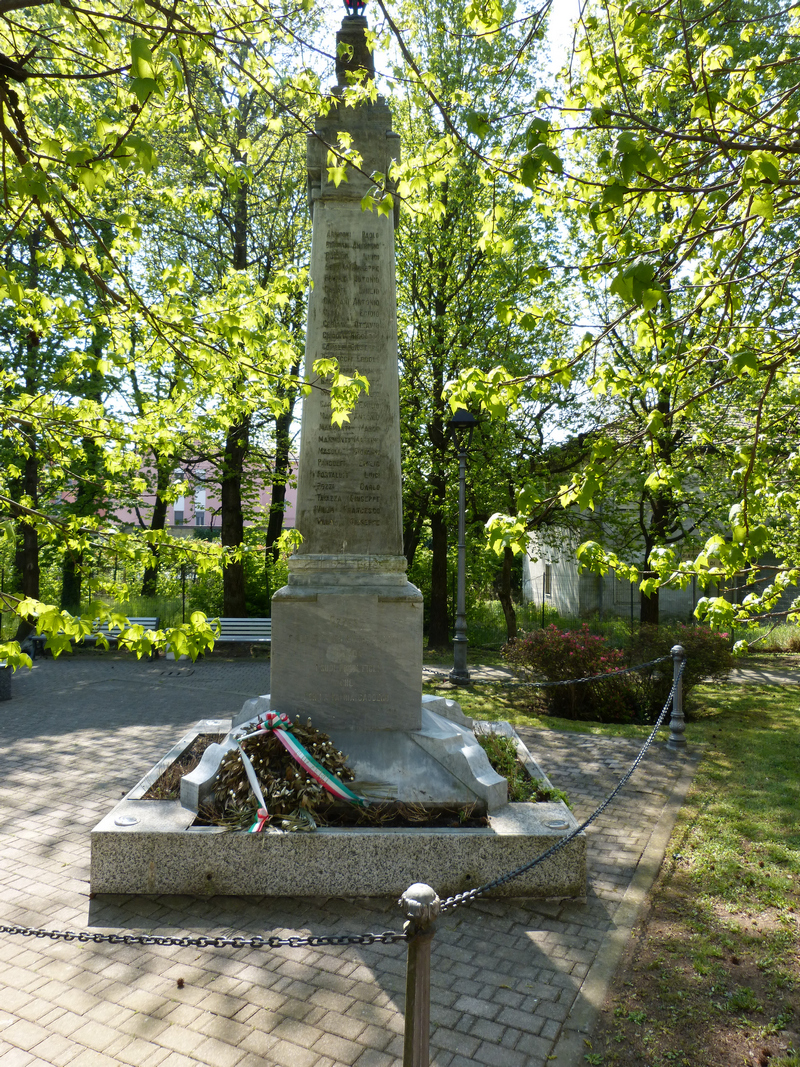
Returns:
point(627, 225)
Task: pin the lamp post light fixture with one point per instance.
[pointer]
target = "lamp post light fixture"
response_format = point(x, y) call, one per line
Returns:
point(461, 428)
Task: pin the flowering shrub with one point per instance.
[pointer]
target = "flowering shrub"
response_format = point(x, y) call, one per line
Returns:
point(563, 655)
point(708, 658)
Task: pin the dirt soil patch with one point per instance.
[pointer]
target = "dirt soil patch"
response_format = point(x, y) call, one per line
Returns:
point(168, 785)
point(702, 987)
point(389, 814)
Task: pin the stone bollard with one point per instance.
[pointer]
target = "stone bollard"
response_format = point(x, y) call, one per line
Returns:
point(421, 907)
point(5, 683)
point(677, 726)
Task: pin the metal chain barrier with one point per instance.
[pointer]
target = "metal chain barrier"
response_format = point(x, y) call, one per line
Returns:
point(466, 898)
point(552, 685)
point(388, 937)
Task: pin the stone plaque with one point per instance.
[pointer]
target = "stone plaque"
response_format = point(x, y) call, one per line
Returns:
point(357, 662)
point(349, 492)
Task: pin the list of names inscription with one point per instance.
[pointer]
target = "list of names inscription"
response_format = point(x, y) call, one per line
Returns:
point(350, 493)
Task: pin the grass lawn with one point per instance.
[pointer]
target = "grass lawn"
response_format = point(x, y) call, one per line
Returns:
point(444, 657)
point(712, 975)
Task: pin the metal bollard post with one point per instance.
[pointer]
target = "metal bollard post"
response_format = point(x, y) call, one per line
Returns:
point(677, 726)
point(421, 906)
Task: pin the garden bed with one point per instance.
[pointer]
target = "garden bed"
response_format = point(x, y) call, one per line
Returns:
point(168, 784)
point(155, 846)
point(501, 752)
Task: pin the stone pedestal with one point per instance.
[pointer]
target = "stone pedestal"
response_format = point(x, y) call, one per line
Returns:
point(347, 644)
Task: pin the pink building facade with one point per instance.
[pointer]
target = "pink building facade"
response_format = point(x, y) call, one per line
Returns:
point(201, 508)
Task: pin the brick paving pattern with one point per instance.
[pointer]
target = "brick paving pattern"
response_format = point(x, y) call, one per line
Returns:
point(79, 732)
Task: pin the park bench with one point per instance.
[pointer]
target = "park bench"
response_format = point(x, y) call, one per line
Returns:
point(249, 631)
point(36, 642)
point(111, 633)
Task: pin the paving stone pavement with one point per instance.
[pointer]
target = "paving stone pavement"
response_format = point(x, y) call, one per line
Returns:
point(513, 982)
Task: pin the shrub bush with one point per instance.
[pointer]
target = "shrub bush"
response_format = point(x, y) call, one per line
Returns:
point(708, 658)
point(563, 655)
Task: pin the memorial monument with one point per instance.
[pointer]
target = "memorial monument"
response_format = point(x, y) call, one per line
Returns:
point(347, 628)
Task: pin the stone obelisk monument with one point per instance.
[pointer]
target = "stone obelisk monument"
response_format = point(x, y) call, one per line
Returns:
point(347, 629)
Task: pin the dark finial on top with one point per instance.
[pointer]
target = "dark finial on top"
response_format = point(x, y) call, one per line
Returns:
point(355, 63)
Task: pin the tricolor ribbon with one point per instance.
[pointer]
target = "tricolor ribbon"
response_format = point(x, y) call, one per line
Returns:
point(281, 724)
point(261, 821)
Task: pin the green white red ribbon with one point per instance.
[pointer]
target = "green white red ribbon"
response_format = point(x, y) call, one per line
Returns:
point(281, 726)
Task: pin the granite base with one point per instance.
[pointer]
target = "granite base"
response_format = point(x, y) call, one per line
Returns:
point(151, 847)
point(159, 855)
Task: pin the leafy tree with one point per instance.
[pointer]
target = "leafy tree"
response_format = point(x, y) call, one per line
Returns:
point(252, 219)
point(467, 246)
point(90, 99)
point(676, 152)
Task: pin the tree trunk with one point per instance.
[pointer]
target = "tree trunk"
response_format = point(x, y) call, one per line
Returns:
point(505, 594)
point(88, 501)
point(158, 521)
point(71, 582)
point(26, 555)
point(648, 605)
point(281, 473)
point(661, 511)
point(412, 532)
point(237, 441)
point(233, 582)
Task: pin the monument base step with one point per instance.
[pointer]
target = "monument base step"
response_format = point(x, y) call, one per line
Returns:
point(153, 857)
point(152, 847)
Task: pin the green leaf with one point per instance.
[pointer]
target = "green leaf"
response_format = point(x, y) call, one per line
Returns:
point(745, 362)
point(655, 421)
point(142, 63)
point(705, 103)
point(478, 124)
point(769, 166)
point(484, 16)
point(143, 88)
point(536, 132)
point(614, 194)
point(762, 205)
point(529, 171)
point(386, 205)
point(651, 297)
point(58, 643)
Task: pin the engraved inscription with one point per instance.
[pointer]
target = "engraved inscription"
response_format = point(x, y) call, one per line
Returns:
point(353, 465)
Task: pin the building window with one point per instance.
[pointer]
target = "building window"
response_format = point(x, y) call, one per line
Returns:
point(199, 507)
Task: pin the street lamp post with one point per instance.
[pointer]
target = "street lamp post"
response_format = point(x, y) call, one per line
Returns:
point(461, 427)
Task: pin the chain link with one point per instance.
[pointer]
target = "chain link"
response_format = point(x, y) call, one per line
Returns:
point(552, 685)
point(466, 898)
point(387, 937)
